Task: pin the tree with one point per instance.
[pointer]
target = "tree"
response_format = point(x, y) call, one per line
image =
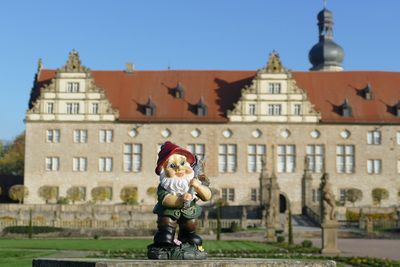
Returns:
point(101, 193)
point(152, 192)
point(18, 192)
point(76, 193)
point(129, 195)
point(379, 194)
point(12, 160)
point(353, 195)
point(48, 193)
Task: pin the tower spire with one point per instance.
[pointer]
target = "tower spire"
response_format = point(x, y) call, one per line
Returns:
point(326, 55)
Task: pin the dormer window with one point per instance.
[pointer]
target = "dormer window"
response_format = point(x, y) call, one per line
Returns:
point(201, 108)
point(397, 109)
point(346, 109)
point(179, 91)
point(72, 87)
point(368, 92)
point(297, 109)
point(150, 108)
point(274, 88)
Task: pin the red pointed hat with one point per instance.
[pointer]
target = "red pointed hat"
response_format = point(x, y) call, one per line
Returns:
point(167, 150)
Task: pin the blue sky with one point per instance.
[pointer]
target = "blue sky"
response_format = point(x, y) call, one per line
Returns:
point(182, 34)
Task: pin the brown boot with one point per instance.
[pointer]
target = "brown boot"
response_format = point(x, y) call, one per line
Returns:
point(187, 232)
point(165, 235)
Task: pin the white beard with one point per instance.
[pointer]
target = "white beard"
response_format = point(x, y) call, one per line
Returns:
point(176, 185)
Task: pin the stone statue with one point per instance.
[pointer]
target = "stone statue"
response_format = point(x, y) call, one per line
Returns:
point(328, 204)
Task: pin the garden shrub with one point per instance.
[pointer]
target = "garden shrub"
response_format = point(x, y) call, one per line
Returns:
point(35, 229)
point(280, 239)
point(306, 243)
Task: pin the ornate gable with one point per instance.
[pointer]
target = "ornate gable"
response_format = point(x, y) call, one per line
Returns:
point(274, 96)
point(71, 95)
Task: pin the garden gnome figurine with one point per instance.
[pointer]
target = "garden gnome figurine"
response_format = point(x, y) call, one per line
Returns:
point(181, 186)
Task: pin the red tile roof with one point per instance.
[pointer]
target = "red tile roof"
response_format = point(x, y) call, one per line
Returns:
point(128, 93)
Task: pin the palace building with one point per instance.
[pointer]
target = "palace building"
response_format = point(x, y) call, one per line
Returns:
point(87, 129)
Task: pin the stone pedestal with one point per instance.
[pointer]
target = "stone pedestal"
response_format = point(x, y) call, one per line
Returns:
point(329, 239)
point(170, 263)
point(270, 235)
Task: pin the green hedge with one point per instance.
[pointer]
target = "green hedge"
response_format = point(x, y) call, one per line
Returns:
point(35, 229)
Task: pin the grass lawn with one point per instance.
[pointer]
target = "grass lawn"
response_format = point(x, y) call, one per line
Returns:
point(118, 244)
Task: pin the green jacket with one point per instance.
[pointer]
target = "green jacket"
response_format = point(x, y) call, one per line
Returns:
point(192, 212)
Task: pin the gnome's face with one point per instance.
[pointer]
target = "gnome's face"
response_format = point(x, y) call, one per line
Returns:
point(177, 166)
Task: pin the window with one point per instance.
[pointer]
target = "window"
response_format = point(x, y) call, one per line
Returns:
point(79, 164)
point(80, 136)
point(132, 157)
point(53, 136)
point(297, 109)
point(197, 149)
point(374, 166)
point(255, 153)
point(274, 109)
point(72, 108)
point(398, 137)
point(72, 87)
point(374, 138)
point(345, 158)
point(227, 158)
point(316, 195)
point(254, 194)
point(228, 194)
point(398, 166)
point(342, 196)
point(95, 108)
point(50, 108)
point(52, 164)
point(252, 109)
point(286, 158)
point(274, 88)
point(106, 136)
point(105, 164)
point(315, 157)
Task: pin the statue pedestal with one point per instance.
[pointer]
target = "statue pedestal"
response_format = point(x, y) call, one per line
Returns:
point(270, 234)
point(329, 238)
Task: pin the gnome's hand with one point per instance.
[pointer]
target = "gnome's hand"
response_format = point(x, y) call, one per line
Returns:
point(187, 197)
point(195, 183)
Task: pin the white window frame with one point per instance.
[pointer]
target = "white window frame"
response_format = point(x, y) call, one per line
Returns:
point(53, 136)
point(345, 159)
point(50, 107)
point(316, 157)
point(105, 164)
point(274, 88)
point(80, 136)
point(374, 137)
point(73, 87)
point(252, 109)
point(52, 163)
point(73, 108)
point(255, 154)
point(106, 136)
point(227, 158)
point(374, 166)
point(286, 158)
point(228, 194)
point(297, 109)
point(132, 157)
point(274, 109)
point(254, 194)
point(197, 149)
point(95, 108)
point(79, 164)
